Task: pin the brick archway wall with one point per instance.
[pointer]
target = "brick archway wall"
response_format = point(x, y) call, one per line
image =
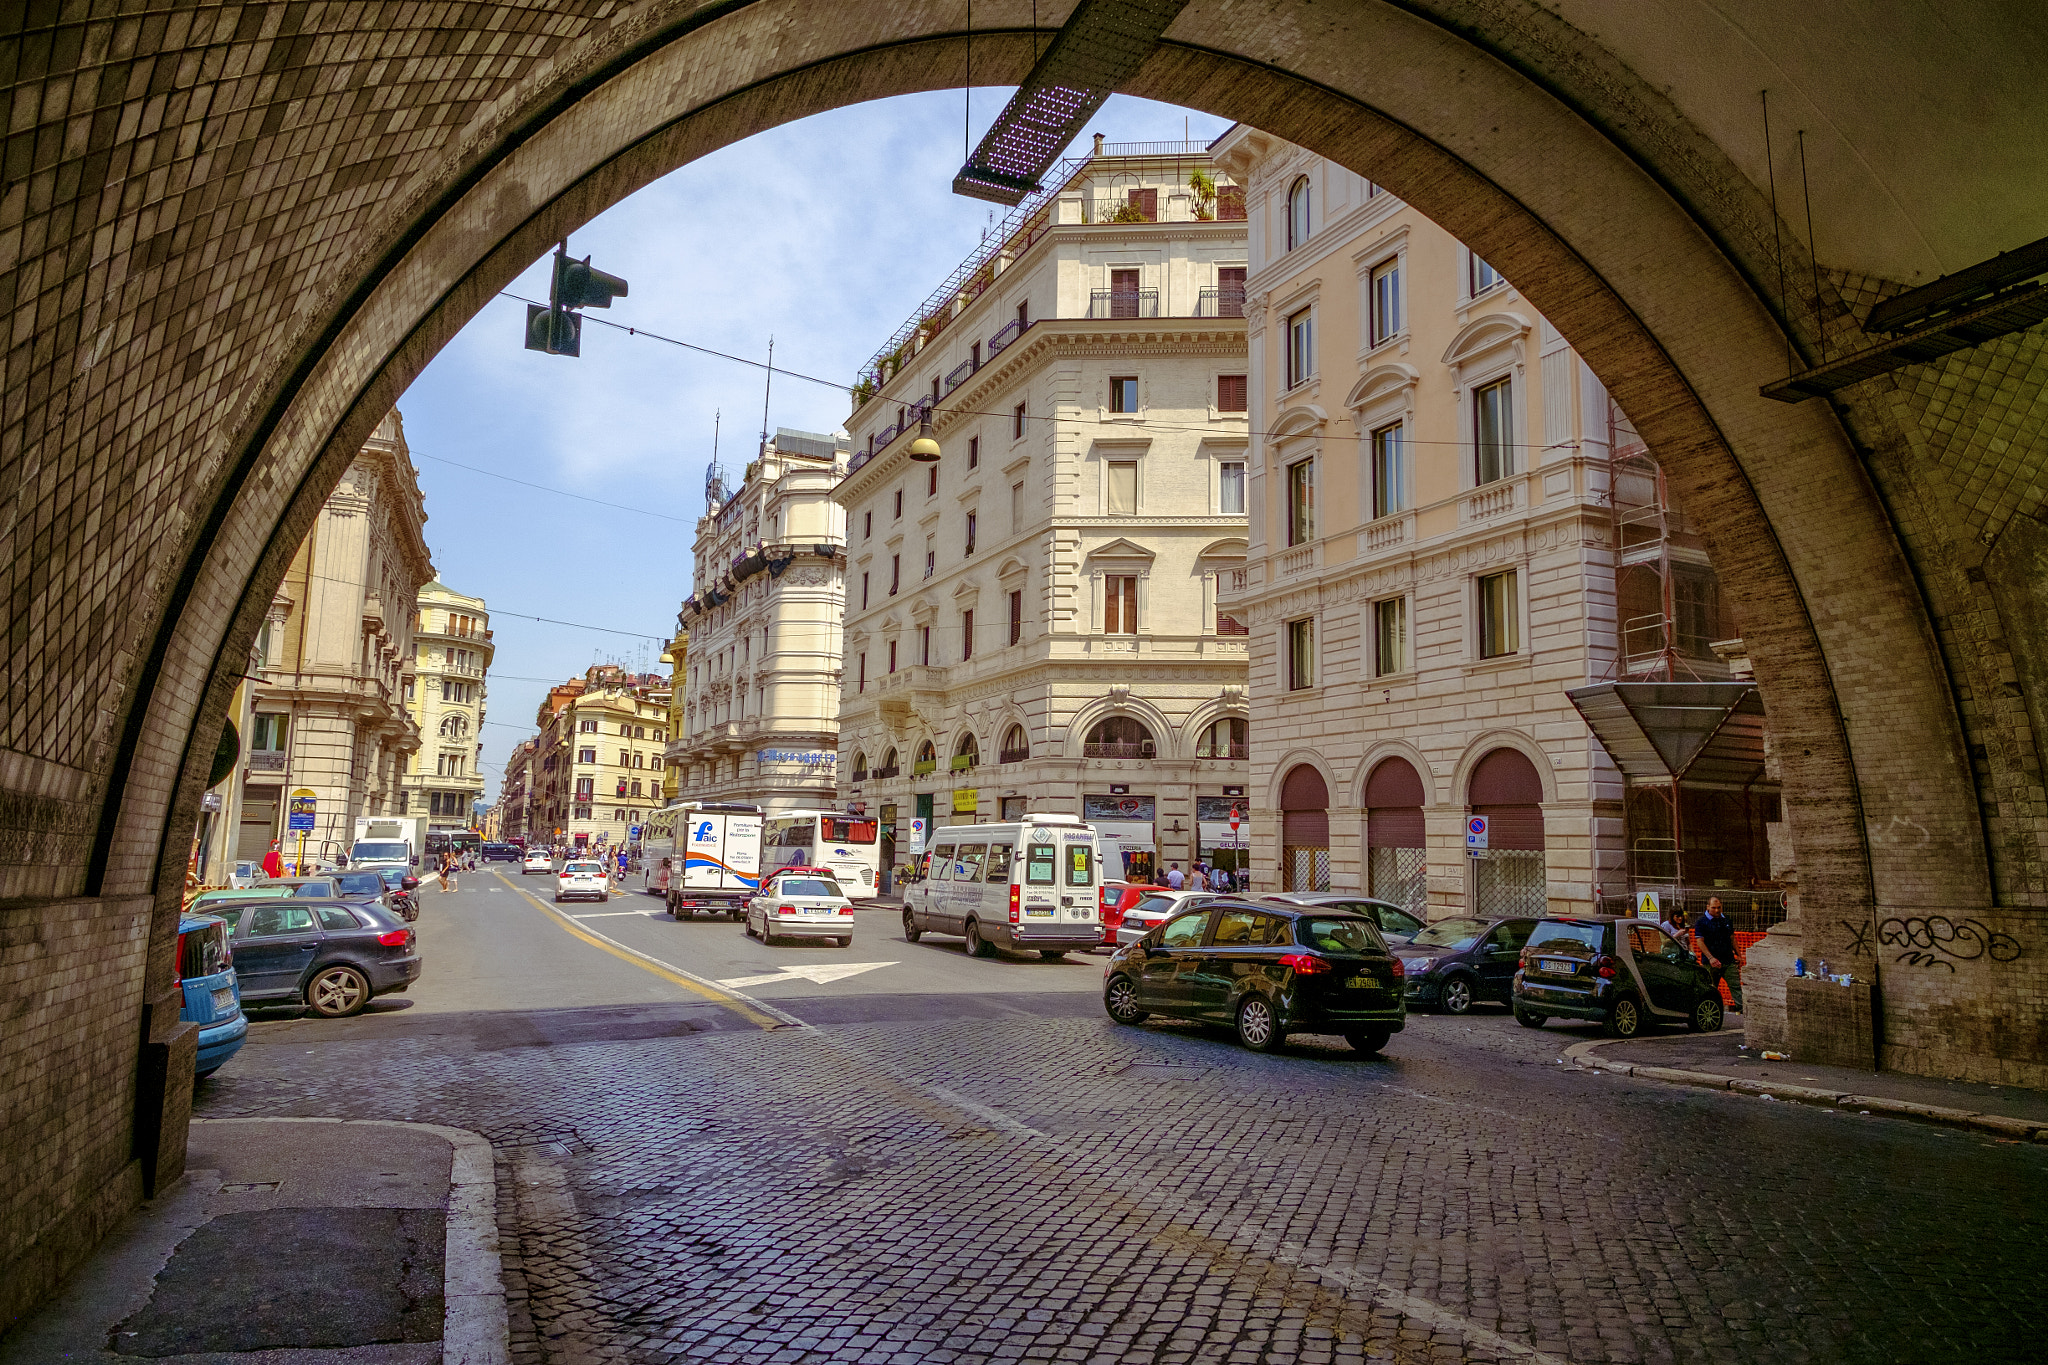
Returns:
point(230, 238)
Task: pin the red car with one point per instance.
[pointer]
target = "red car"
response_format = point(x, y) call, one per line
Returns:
point(1118, 897)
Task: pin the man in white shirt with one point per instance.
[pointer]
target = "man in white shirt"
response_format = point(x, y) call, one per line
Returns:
point(1174, 877)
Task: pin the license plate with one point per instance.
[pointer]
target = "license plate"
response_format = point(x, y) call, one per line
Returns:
point(1557, 964)
point(1363, 983)
point(223, 997)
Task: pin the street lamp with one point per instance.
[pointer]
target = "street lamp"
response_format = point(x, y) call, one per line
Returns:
point(925, 449)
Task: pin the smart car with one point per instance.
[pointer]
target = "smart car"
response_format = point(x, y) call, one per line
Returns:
point(1625, 974)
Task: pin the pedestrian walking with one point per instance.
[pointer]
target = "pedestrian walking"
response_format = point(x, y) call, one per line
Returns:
point(1717, 938)
point(1198, 878)
point(448, 870)
point(1175, 878)
point(1674, 923)
point(273, 861)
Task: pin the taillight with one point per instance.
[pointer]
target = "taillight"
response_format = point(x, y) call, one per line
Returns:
point(1399, 969)
point(1016, 903)
point(1606, 966)
point(396, 938)
point(1522, 960)
point(1305, 964)
point(785, 909)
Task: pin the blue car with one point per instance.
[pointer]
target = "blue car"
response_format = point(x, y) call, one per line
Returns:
point(213, 998)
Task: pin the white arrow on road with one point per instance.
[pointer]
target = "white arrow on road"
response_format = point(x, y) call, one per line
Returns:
point(820, 974)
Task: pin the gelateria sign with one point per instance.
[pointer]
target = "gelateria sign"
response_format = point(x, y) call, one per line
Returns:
point(816, 760)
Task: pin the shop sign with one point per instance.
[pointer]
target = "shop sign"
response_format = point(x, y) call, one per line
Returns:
point(1222, 808)
point(1119, 808)
point(966, 800)
point(801, 758)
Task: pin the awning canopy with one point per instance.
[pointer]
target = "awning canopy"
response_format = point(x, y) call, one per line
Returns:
point(1702, 734)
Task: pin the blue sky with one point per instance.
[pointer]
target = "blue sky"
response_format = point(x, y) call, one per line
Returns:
point(825, 233)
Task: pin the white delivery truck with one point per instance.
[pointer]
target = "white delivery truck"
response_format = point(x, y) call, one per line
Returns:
point(387, 841)
point(700, 855)
point(1029, 885)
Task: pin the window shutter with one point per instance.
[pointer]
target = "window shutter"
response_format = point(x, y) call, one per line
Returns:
point(1230, 393)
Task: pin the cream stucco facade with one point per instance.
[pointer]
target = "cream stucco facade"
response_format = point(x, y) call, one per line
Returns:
point(1032, 622)
point(595, 771)
point(1431, 561)
point(329, 715)
point(445, 695)
point(759, 687)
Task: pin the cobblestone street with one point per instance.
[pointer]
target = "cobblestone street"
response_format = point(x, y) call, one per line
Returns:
point(942, 1166)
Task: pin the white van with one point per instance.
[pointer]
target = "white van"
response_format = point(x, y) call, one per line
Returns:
point(1030, 885)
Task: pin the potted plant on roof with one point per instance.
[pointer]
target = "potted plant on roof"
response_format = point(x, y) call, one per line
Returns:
point(1204, 186)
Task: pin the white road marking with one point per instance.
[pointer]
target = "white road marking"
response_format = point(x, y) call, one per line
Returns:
point(819, 974)
point(613, 914)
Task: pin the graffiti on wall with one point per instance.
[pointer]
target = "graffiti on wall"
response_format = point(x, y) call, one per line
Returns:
point(1938, 941)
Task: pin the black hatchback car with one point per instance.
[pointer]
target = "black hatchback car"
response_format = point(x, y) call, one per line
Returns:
point(332, 956)
point(1624, 973)
point(1456, 962)
point(1268, 969)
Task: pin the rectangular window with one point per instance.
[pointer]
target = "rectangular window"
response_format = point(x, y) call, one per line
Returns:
point(892, 656)
point(974, 356)
point(1016, 617)
point(895, 573)
point(1493, 432)
point(1016, 508)
point(1389, 469)
point(863, 685)
point(586, 755)
point(1390, 636)
point(267, 732)
point(1500, 622)
point(973, 520)
point(1123, 394)
point(1386, 301)
point(1230, 488)
point(924, 645)
point(1301, 502)
point(1301, 654)
point(1023, 315)
point(1230, 291)
point(1121, 496)
point(1017, 423)
point(974, 442)
point(931, 486)
point(1230, 393)
point(931, 561)
point(1301, 347)
point(966, 636)
point(1120, 604)
point(863, 591)
point(1484, 276)
point(899, 502)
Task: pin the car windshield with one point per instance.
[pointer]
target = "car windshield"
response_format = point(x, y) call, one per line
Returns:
point(1575, 939)
point(568, 868)
point(1455, 934)
point(808, 886)
point(1350, 934)
point(360, 883)
point(392, 876)
point(320, 890)
point(380, 851)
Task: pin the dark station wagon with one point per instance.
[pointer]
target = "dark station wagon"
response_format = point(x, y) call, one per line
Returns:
point(1267, 969)
point(332, 956)
point(1624, 973)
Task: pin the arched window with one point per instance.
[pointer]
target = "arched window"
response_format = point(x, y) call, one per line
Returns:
point(927, 758)
point(1304, 830)
point(1230, 737)
point(889, 762)
point(860, 765)
point(1118, 737)
point(1016, 745)
point(1298, 209)
point(1396, 861)
point(969, 749)
point(1510, 880)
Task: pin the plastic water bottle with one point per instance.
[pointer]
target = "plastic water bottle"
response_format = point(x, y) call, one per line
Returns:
point(1799, 966)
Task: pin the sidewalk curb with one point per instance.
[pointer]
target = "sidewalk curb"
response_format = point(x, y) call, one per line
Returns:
point(474, 1326)
point(1579, 1056)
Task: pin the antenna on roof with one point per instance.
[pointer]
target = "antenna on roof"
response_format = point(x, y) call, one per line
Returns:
point(767, 387)
point(714, 477)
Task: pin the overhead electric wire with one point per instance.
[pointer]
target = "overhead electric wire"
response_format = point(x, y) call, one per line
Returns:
point(558, 492)
point(524, 616)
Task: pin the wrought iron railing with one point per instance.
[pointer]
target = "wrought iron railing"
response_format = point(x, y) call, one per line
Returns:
point(1227, 752)
point(1013, 755)
point(1117, 749)
point(958, 374)
point(1005, 334)
point(884, 774)
point(1123, 303)
point(1225, 301)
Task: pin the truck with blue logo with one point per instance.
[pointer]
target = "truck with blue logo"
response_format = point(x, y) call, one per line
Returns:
point(702, 856)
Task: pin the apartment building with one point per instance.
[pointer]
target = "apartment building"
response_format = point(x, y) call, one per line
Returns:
point(1032, 621)
point(329, 715)
point(515, 792)
point(445, 694)
point(1432, 562)
point(596, 766)
point(760, 684)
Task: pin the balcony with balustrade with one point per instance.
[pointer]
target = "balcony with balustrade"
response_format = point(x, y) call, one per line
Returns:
point(1124, 303)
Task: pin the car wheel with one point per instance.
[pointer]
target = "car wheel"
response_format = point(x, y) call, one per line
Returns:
point(1455, 995)
point(1258, 1028)
point(1708, 1015)
point(1528, 1020)
point(976, 945)
point(1369, 1039)
point(736, 915)
point(846, 940)
point(1120, 1000)
point(911, 933)
point(1625, 1020)
point(605, 898)
point(202, 1075)
point(558, 898)
point(337, 992)
point(1053, 954)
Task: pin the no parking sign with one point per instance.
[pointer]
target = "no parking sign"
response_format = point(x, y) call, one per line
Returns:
point(1475, 834)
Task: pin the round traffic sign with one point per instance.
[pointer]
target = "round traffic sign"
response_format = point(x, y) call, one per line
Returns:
point(1477, 824)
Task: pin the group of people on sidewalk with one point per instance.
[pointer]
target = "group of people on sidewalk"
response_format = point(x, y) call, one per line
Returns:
point(1715, 934)
point(1205, 878)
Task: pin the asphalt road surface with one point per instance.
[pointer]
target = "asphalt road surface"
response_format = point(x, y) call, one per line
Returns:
point(893, 1152)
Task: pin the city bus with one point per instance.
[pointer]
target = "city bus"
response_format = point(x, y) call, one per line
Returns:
point(849, 845)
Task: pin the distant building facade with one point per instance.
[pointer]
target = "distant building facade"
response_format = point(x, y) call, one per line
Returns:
point(446, 695)
point(1432, 562)
point(1033, 622)
point(760, 688)
point(597, 759)
point(515, 793)
point(329, 716)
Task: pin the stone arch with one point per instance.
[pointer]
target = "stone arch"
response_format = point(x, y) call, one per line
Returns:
point(1394, 748)
point(1483, 744)
point(1164, 731)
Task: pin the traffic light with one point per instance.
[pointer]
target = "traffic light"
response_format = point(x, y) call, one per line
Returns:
point(572, 284)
